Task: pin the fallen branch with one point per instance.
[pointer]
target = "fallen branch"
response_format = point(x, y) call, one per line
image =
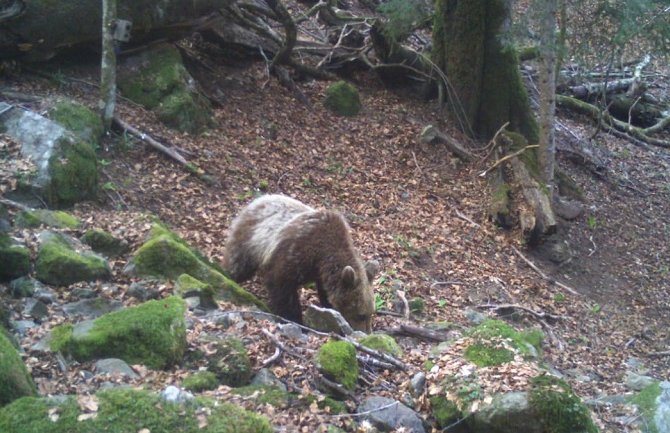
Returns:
point(544, 276)
point(281, 346)
point(506, 157)
point(421, 333)
point(664, 353)
point(377, 354)
point(538, 314)
point(275, 356)
point(14, 204)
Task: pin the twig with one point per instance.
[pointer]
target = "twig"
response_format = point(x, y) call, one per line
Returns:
point(543, 275)
point(405, 304)
point(464, 217)
point(664, 353)
point(367, 412)
point(595, 247)
point(272, 358)
point(417, 164)
point(445, 283)
point(422, 333)
point(506, 157)
point(280, 345)
point(377, 354)
point(374, 362)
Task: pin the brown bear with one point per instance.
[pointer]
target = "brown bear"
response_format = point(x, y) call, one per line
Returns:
point(290, 244)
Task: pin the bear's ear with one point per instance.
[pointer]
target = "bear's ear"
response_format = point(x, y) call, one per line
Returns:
point(371, 269)
point(348, 277)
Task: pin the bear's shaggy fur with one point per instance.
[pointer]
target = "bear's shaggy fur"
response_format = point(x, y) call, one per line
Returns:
point(290, 244)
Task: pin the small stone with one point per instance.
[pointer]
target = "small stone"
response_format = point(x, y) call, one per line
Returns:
point(637, 382)
point(35, 309)
point(175, 395)
point(267, 378)
point(91, 308)
point(84, 293)
point(474, 317)
point(418, 383)
point(388, 415)
point(115, 366)
point(293, 331)
point(138, 291)
point(22, 326)
point(326, 320)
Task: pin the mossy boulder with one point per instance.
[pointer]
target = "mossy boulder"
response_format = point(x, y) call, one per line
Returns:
point(557, 407)
point(104, 243)
point(342, 98)
point(337, 361)
point(59, 264)
point(81, 120)
point(152, 333)
point(495, 342)
point(200, 381)
point(445, 411)
point(158, 80)
point(187, 287)
point(15, 259)
point(382, 343)
point(265, 394)
point(15, 382)
point(166, 255)
point(74, 174)
point(123, 410)
point(37, 217)
point(230, 363)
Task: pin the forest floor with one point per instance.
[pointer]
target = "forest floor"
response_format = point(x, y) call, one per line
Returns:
point(414, 207)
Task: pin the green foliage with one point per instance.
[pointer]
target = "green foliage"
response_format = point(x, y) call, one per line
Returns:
point(558, 408)
point(152, 333)
point(200, 381)
point(342, 98)
point(559, 297)
point(15, 381)
point(404, 16)
point(646, 401)
point(337, 361)
point(485, 355)
point(124, 410)
point(230, 363)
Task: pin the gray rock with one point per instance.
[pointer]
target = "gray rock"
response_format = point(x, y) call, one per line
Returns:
point(637, 382)
point(84, 293)
point(175, 395)
point(35, 309)
point(23, 287)
point(507, 413)
point(418, 383)
point(387, 415)
point(293, 331)
point(566, 208)
point(22, 326)
point(473, 316)
point(115, 366)
point(139, 291)
point(45, 294)
point(267, 378)
point(92, 308)
point(82, 329)
point(662, 415)
point(326, 320)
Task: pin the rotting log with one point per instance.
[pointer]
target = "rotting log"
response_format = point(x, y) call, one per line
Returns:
point(45, 26)
point(432, 135)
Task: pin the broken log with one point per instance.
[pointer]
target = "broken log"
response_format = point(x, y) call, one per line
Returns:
point(432, 135)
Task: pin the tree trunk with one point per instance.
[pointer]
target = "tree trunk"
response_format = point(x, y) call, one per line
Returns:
point(47, 26)
point(108, 64)
point(486, 90)
point(547, 97)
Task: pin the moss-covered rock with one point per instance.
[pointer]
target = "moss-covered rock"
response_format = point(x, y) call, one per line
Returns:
point(15, 382)
point(331, 405)
point(15, 259)
point(165, 255)
point(265, 394)
point(230, 363)
point(78, 118)
point(158, 80)
point(104, 243)
point(337, 361)
point(342, 98)
point(558, 409)
point(200, 381)
point(152, 333)
point(496, 342)
point(58, 263)
point(129, 411)
point(383, 343)
point(50, 218)
point(187, 286)
point(444, 411)
point(74, 174)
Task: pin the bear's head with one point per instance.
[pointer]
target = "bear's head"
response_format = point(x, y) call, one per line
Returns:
point(355, 299)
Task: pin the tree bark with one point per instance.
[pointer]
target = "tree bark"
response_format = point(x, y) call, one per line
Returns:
point(547, 97)
point(108, 64)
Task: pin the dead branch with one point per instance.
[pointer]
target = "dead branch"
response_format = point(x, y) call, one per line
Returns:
point(405, 304)
point(432, 135)
point(282, 346)
point(377, 354)
point(275, 356)
point(543, 275)
point(374, 362)
point(664, 353)
point(417, 332)
point(14, 204)
point(506, 157)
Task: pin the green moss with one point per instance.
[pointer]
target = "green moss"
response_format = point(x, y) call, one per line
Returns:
point(646, 401)
point(230, 363)
point(102, 242)
point(264, 394)
point(337, 361)
point(152, 333)
point(15, 259)
point(129, 411)
point(200, 381)
point(567, 187)
point(444, 411)
point(79, 119)
point(50, 218)
point(60, 265)
point(559, 409)
point(184, 112)
point(342, 98)
point(417, 305)
point(15, 381)
point(383, 343)
point(168, 256)
point(487, 350)
point(74, 174)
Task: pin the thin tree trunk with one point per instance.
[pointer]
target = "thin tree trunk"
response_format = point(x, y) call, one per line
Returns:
point(108, 64)
point(547, 97)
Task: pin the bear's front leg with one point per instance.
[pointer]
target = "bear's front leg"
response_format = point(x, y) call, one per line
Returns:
point(285, 302)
